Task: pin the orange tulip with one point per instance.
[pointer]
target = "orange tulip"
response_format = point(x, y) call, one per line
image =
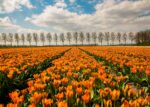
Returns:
point(102, 93)
point(79, 91)
point(148, 71)
point(30, 83)
point(134, 70)
point(132, 92)
point(56, 83)
point(16, 98)
point(74, 84)
point(59, 96)
point(107, 90)
point(134, 103)
point(143, 102)
point(107, 103)
point(12, 105)
point(32, 105)
point(35, 97)
point(125, 104)
point(97, 105)
point(115, 94)
point(62, 104)
point(69, 94)
point(47, 102)
point(148, 98)
point(86, 98)
point(1, 105)
point(64, 80)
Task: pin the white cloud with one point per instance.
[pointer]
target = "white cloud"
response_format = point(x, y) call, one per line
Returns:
point(27, 3)
point(7, 25)
point(109, 16)
point(72, 1)
point(7, 6)
point(59, 19)
point(124, 15)
point(60, 4)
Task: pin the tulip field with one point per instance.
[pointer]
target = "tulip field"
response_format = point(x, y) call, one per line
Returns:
point(88, 76)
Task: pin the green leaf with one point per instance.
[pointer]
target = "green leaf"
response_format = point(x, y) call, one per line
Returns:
point(92, 93)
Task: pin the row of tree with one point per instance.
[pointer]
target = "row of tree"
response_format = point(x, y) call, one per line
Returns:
point(90, 38)
point(143, 38)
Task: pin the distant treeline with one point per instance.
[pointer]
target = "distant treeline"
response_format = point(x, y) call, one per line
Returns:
point(143, 38)
point(76, 38)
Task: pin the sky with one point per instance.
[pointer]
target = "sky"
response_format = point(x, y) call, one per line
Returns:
point(24, 16)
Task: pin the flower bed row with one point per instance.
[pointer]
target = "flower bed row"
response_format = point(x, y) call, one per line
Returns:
point(15, 61)
point(138, 79)
point(19, 81)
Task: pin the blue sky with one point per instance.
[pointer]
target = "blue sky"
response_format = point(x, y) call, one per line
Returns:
point(74, 15)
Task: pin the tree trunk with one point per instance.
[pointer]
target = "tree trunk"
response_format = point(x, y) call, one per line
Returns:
point(5, 42)
point(76, 42)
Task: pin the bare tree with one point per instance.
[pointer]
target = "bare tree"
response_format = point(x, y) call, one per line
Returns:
point(100, 37)
point(147, 36)
point(75, 36)
point(131, 37)
point(88, 38)
point(81, 35)
point(42, 38)
point(4, 38)
point(143, 37)
point(49, 37)
point(113, 37)
point(69, 37)
point(55, 38)
point(125, 38)
point(119, 37)
point(16, 37)
point(94, 37)
point(10, 38)
point(29, 38)
point(137, 39)
point(0, 38)
point(23, 38)
point(107, 37)
point(35, 38)
point(62, 38)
